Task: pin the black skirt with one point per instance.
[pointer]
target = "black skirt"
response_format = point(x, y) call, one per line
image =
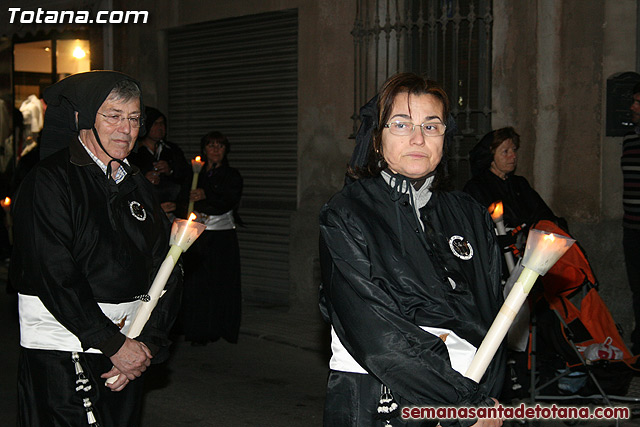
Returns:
point(47, 393)
point(353, 399)
point(212, 298)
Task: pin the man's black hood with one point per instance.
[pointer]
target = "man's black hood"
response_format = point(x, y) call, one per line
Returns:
point(82, 92)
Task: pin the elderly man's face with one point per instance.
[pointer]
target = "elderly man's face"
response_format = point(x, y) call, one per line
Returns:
point(117, 139)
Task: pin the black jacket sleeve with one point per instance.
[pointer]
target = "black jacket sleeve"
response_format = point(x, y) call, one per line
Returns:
point(367, 319)
point(43, 227)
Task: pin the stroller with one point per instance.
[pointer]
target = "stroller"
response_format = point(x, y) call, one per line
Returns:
point(576, 351)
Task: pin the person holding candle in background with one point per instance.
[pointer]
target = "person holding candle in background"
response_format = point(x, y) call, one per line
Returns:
point(212, 296)
point(89, 238)
point(493, 163)
point(410, 271)
point(163, 163)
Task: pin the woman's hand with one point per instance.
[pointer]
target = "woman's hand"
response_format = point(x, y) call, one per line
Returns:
point(161, 166)
point(168, 206)
point(197, 195)
point(490, 422)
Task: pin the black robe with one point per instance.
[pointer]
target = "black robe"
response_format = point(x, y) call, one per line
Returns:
point(81, 239)
point(174, 187)
point(78, 242)
point(383, 277)
point(212, 297)
point(522, 204)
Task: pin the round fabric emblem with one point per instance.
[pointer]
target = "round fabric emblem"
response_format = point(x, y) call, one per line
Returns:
point(137, 211)
point(461, 247)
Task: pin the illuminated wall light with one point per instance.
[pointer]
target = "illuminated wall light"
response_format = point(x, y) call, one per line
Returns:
point(79, 53)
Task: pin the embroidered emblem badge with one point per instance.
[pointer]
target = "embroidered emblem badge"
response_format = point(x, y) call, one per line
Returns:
point(461, 247)
point(137, 210)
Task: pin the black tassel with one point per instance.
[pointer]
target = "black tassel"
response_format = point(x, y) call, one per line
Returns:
point(83, 386)
point(388, 408)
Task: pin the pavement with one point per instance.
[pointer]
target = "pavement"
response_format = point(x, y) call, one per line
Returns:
point(275, 375)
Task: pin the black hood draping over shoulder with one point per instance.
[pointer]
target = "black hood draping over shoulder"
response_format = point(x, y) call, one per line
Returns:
point(480, 156)
point(82, 92)
point(368, 123)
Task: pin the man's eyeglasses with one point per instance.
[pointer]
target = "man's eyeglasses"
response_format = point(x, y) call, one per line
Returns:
point(406, 128)
point(116, 119)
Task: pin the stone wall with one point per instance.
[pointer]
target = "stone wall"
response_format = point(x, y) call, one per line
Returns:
point(551, 63)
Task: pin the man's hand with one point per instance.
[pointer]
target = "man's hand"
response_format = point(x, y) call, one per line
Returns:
point(130, 361)
point(121, 381)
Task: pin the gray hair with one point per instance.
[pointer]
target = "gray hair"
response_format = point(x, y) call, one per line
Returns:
point(124, 90)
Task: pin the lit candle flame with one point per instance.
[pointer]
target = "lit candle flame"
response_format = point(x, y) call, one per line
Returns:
point(192, 216)
point(198, 158)
point(496, 209)
point(550, 237)
point(7, 201)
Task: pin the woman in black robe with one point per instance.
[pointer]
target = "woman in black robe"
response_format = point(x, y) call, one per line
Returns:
point(410, 272)
point(493, 163)
point(212, 297)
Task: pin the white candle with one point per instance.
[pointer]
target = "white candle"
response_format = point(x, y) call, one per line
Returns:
point(196, 167)
point(496, 210)
point(6, 205)
point(501, 324)
point(183, 234)
point(541, 252)
point(155, 292)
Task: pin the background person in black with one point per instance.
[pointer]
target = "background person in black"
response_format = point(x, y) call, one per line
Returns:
point(212, 298)
point(163, 164)
point(493, 163)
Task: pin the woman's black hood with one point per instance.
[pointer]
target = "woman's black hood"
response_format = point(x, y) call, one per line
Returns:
point(82, 92)
point(480, 156)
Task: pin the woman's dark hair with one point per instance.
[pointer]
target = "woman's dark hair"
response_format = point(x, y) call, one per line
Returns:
point(501, 135)
point(412, 84)
point(215, 136)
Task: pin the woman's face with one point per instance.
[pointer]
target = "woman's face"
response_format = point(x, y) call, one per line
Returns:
point(415, 155)
point(215, 152)
point(505, 158)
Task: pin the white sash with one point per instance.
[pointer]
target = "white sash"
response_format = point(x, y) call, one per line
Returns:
point(219, 222)
point(461, 352)
point(41, 331)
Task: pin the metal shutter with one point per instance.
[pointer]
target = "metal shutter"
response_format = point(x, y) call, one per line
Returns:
point(239, 76)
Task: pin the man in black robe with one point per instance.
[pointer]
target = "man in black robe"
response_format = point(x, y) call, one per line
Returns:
point(89, 239)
